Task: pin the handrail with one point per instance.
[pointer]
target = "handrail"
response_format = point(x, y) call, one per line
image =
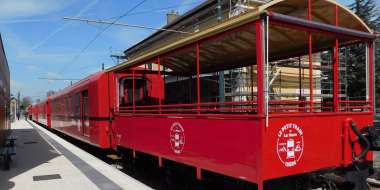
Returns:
point(250, 107)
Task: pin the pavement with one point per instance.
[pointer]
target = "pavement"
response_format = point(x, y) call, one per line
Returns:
point(44, 161)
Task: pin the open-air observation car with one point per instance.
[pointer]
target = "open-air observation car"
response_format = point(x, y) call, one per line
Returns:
point(259, 97)
point(262, 97)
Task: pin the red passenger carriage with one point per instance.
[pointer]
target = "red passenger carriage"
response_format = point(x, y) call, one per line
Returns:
point(41, 113)
point(166, 103)
point(81, 110)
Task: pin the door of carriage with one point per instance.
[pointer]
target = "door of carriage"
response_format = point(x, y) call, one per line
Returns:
point(85, 118)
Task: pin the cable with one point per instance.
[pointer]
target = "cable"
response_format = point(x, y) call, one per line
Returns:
point(160, 9)
point(106, 22)
point(99, 34)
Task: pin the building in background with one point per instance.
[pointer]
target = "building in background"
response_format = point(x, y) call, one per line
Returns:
point(13, 108)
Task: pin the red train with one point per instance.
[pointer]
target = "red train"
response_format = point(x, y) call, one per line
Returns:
point(167, 103)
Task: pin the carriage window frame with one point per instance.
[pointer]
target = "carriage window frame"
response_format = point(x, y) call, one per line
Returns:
point(136, 90)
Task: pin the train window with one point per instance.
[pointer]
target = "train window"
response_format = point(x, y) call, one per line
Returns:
point(67, 104)
point(72, 105)
point(126, 90)
point(61, 105)
point(85, 103)
point(77, 104)
point(58, 106)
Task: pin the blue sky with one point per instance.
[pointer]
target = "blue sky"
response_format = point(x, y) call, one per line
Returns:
point(39, 43)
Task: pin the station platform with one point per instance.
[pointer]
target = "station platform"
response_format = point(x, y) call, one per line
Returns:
point(44, 161)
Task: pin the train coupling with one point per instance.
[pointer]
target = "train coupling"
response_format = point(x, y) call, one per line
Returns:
point(372, 133)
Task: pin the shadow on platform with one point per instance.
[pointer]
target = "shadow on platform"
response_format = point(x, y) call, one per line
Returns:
point(32, 151)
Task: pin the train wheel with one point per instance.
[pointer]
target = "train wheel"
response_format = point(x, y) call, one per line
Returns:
point(166, 181)
point(174, 179)
point(128, 163)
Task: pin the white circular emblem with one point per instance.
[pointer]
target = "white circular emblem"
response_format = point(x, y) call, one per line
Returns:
point(290, 144)
point(177, 137)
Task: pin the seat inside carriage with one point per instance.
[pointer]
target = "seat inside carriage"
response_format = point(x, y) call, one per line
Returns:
point(215, 71)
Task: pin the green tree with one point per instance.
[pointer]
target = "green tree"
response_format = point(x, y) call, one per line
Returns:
point(25, 102)
point(355, 55)
point(367, 11)
point(377, 70)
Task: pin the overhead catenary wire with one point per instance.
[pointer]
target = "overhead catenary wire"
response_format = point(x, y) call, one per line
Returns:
point(67, 79)
point(100, 33)
point(161, 9)
point(122, 24)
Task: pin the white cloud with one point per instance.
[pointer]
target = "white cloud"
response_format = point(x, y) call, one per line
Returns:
point(17, 21)
point(20, 50)
point(16, 9)
point(52, 34)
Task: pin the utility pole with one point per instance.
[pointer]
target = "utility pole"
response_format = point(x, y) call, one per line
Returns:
point(119, 57)
point(18, 105)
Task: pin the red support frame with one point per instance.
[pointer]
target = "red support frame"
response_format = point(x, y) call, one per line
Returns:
point(133, 91)
point(260, 69)
point(159, 76)
point(336, 66)
point(260, 94)
point(370, 75)
point(197, 46)
point(310, 36)
point(311, 71)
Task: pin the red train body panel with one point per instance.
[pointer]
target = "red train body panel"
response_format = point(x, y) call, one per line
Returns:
point(42, 113)
point(82, 110)
point(208, 143)
point(239, 148)
point(34, 112)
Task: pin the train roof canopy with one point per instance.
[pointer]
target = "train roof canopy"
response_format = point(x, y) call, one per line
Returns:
point(214, 58)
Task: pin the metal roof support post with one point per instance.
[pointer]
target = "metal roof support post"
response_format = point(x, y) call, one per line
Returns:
point(159, 76)
point(260, 69)
point(310, 36)
point(222, 86)
point(266, 63)
point(133, 92)
point(336, 67)
point(374, 50)
point(198, 79)
point(261, 100)
point(222, 89)
point(370, 74)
